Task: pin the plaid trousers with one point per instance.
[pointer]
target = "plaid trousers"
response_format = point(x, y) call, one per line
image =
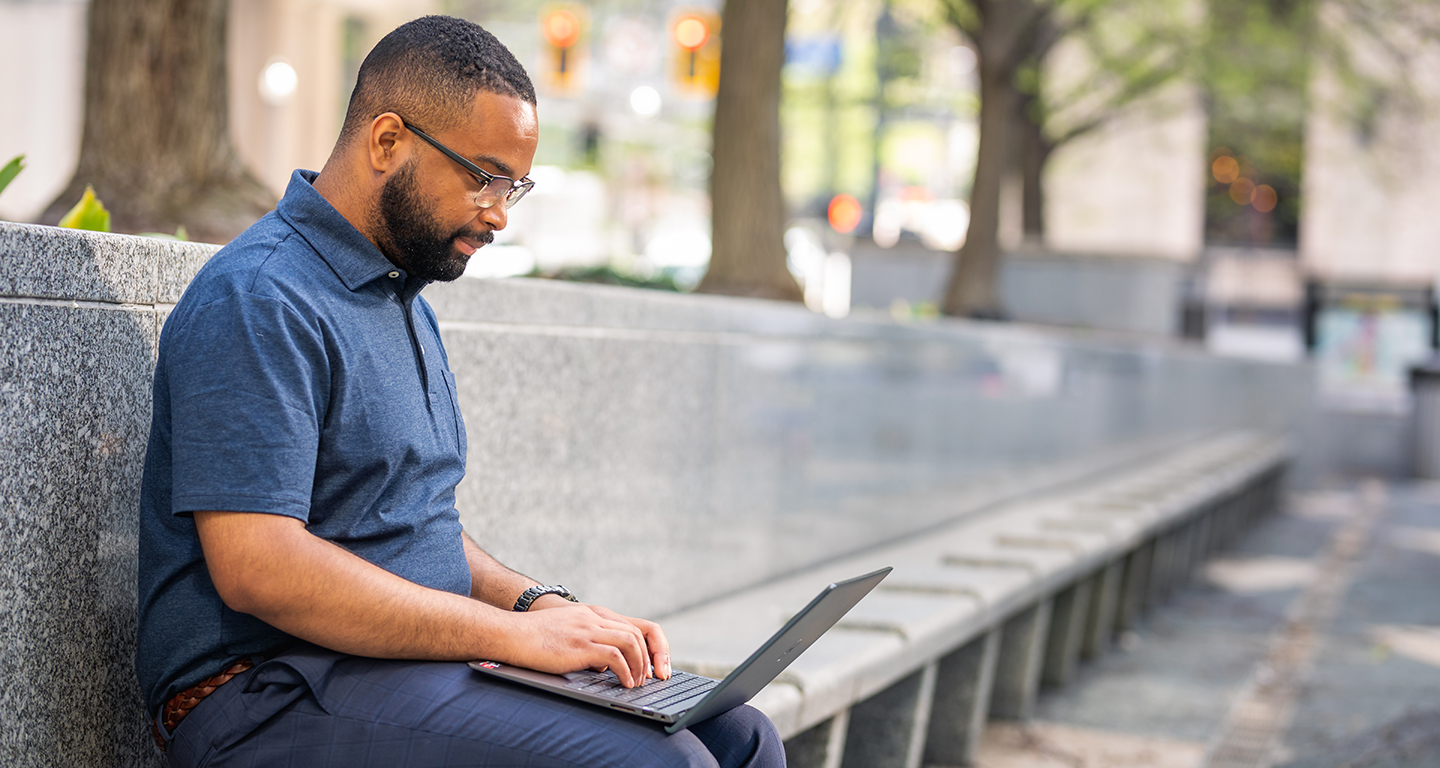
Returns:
point(311, 707)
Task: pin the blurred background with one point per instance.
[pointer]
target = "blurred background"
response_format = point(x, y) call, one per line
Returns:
point(1261, 177)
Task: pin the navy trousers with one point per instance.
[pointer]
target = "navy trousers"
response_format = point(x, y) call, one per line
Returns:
point(311, 707)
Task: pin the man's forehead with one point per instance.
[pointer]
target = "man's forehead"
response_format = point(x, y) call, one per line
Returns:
point(501, 130)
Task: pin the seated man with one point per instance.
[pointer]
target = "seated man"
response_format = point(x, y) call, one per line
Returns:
point(307, 595)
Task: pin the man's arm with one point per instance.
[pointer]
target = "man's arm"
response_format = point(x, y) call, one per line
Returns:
point(493, 583)
point(271, 567)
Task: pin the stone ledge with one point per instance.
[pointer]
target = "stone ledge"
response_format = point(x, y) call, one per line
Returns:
point(56, 263)
point(964, 580)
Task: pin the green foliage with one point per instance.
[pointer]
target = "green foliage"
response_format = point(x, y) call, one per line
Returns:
point(609, 276)
point(1256, 69)
point(89, 214)
point(11, 170)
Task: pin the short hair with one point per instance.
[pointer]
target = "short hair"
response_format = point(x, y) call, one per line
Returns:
point(429, 71)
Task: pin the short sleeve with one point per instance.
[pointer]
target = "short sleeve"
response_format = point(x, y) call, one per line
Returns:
point(248, 384)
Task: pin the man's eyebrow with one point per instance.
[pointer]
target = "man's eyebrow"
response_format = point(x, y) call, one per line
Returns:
point(497, 163)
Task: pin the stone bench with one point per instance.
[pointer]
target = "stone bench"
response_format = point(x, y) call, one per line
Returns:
point(978, 614)
point(744, 447)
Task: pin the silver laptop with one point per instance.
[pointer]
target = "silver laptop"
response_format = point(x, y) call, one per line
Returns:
point(686, 699)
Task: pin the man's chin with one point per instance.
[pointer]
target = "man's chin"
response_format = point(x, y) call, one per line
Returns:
point(454, 267)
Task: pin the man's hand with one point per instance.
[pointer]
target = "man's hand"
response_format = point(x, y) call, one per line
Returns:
point(641, 646)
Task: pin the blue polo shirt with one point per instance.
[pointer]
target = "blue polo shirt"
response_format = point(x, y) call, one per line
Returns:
point(301, 375)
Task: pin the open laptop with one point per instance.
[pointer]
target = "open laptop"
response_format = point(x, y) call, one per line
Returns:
point(688, 698)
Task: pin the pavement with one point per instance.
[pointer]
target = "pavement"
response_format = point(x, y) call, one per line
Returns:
point(1314, 642)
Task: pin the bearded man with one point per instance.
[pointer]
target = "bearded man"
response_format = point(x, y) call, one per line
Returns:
point(307, 594)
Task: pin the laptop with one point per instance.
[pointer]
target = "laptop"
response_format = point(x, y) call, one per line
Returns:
point(686, 698)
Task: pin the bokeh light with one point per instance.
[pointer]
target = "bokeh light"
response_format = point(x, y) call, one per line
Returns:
point(278, 82)
point(845, 213)
point(1240, 191)
point(691, 33)
point(1226, 169)
point(561, 29)
point(645, 101)
point(1264, 198)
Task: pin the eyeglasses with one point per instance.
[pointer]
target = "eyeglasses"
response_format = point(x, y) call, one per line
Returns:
point(492, 188)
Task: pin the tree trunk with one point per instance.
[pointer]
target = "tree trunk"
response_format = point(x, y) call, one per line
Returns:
point(1035, 151)
point(973, 290)
point(156, 138)
point(1004, 36)
point(747, 209)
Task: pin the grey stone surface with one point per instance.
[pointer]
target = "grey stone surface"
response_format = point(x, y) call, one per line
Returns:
point(1095, 291)
point(821, 746)
point(1104, 601)
point(888, 729)
point(1022, 655)
point(1133, 587)
point(809, 437)
point(1067, 633)
point(76, 412)
point(963, 683)
point(654, 452)
point(55, 263)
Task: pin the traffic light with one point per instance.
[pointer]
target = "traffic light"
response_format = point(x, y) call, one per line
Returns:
point(695, 53)
point(563, 29)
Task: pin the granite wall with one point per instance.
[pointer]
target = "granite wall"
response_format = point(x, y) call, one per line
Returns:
point(1116, 293)
point(648, 450)
point(80, 314)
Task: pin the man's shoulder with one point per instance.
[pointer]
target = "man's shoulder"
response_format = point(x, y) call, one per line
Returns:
point(270, 259)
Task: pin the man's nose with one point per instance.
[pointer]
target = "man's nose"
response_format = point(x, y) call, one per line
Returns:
point(496, 215)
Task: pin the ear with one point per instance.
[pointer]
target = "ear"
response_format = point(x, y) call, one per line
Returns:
point(389, 143)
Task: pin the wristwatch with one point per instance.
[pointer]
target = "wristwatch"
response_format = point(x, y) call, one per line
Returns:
point(529, 596)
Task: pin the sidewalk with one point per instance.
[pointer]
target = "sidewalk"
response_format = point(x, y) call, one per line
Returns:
point(1314, 643)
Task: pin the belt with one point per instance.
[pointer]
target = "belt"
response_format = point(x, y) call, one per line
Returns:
point(181, 703)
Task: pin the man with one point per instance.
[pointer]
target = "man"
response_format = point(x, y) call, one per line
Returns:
point(307, 595)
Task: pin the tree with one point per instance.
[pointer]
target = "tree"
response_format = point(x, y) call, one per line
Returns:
point(747, 208)
point(156, 138)
point(1003, 34)
point(1128, 50)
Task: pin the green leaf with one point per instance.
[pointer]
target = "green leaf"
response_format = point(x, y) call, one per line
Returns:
point(10, 171)
point(89, 214)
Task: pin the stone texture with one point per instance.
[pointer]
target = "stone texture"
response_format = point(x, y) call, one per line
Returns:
point(1104, 601)
point(1067, 633)
point(963, 684)
point(55, 263)
point(1022, 654)
point(888, 729)
point(76, 412)
point(820, 746)
point(1133, 587)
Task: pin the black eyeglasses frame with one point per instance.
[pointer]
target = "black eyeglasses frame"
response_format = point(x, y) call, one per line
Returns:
point(511, 196)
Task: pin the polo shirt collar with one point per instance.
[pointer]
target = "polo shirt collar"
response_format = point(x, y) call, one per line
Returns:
point(350, 254)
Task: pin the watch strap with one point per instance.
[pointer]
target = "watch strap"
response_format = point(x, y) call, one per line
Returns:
point(529, 596)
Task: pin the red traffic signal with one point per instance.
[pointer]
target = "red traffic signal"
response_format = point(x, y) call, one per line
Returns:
point(561, 28)
point(691, 32)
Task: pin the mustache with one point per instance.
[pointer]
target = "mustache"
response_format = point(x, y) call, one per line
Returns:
point(487, 237)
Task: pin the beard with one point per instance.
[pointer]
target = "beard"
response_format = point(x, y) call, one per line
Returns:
point(413, 238)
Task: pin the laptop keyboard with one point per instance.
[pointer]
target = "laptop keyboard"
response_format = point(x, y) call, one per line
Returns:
point(655, 694)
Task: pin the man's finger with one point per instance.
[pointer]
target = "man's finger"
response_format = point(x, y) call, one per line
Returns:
point(615, 660)
point(633, 650)
point(658, 646)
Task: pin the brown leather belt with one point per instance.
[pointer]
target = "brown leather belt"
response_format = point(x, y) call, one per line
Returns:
point(181, 703)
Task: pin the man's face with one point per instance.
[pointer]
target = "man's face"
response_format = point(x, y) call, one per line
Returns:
point(424, 245)
point(429, 224)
